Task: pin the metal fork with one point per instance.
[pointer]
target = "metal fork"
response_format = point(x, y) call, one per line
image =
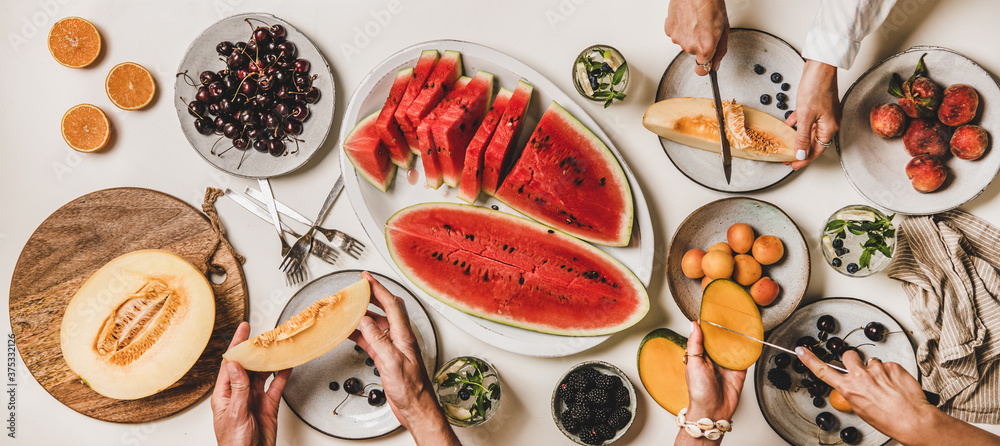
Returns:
point(292, 277)
point(341, 239)
point(325, 252)
point(293, 260)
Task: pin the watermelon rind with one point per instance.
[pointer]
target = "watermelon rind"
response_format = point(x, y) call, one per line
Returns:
point(364, 134)
point(388, 128)
point(630, 282)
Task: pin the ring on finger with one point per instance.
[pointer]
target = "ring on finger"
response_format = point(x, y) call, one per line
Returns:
point(824, 144)
point(707, 66)
point(686, 354)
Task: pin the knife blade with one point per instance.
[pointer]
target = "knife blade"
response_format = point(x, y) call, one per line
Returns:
point(727, 154)
point(282, 208)
point(263, 214)
point(837, 368)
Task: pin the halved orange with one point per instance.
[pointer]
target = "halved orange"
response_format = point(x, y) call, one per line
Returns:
point(85, 128)
point(74, 42)
point(130, 86)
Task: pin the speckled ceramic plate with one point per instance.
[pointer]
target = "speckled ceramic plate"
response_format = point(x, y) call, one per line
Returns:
point(737, 80)
point(558, 405)
point(876, 167)
point(201, 56)
point(308, 391)
point(708, 225)
point(792, 414)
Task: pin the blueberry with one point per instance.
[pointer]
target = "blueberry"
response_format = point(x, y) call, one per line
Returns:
point(369, 362)
point(852, 268)
point(358, 348)
point(593, 82)
point(375, 371)
point(335, 386)
point(776, 77)
point(819, 402)
point(782, 105)
point(757, 68)
point(786, 86)
point(605, 68)
point(781, 97)
point(838, 243)
point(836, 262)
point(765, 99)
point(464, 394)
point(788, 113)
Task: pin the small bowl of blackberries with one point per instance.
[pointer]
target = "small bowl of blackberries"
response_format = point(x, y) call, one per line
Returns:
point(594, 403)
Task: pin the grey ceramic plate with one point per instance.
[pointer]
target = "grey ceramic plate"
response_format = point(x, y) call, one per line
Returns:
point(308, 393)
point(201, 56)
point(558, 406)
point(792, 414)
point(708, 225)
point(876, 167)
point(737, 80)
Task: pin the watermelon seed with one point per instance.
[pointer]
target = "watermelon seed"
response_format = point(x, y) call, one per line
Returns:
point(602, 181)
point(504, 246)
point(551, 231)
point(495, 207)
point(614, 285)
point(470, 237)
point(463, 263)
point(592, 275)
point(562, 266)
point(455, 262)
point(434, 254)
point(520, 281)
point(512, 249)
point(469, 271)
point(486, 277)
point(569, 270)
point(447, 227)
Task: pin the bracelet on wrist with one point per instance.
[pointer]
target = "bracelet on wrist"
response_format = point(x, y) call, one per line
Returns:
point(705, 427)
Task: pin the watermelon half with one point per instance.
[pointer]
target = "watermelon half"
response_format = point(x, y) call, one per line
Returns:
point(454, 129)
point(568, 179)
point(388, 128)
point(472, 171)
point(498, 153)
point(368, 154)
point(514, 271)
point(425, 64)
point(425, 137)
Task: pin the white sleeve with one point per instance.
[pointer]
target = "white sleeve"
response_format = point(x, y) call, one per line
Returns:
point(840, 25)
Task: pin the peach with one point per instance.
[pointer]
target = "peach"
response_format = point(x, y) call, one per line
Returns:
point(691, 264)
point(764, 291)
point(887, 120)
point(926, 137)
point(746, 270)
point(969, 142)
point(717, 264)
point(926, 173)
point(740, 237)
point(921, 98)
point(767, 249)
point(958, 106)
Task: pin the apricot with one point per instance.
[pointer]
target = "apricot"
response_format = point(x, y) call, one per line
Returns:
point(958, 105)
point(838, 402)
point(746, 270)
point(721, 246)
point(768, 249)
point(740, 237)
point(921, 98)
point(926, 173)
point(705, 281)
point(887, 120)
point(691, 264)
point(926, 137)
point(764, 291)
point(969, 142)
point(717, 264)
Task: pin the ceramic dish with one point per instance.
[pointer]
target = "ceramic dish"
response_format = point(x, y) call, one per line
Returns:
point(708, 225)
point(738, 81)
point(792, 414)
point(558, 405)
point(201, 56)
point(374, 207)
point(308, 392)
point(876, 167)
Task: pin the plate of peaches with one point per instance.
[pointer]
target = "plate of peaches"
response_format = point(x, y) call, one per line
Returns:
point(917, 129)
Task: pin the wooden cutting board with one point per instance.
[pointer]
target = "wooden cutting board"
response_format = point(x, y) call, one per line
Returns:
point(76, 240)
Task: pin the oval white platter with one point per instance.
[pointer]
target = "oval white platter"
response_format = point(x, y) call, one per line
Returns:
point(374, 207)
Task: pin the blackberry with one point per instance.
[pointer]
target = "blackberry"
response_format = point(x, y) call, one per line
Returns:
point(589, 374)
point(619, 418)
point(607, 382)
point(580, 413)
point(597, 397)
point(600, 415)
point(780, 379)
point(572, 425)
point(589, 436)
point(605, 431)
point(622, 397)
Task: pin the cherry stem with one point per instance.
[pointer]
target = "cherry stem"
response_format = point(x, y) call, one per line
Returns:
point(187, 78)
point(189, 108)
point(212, 151)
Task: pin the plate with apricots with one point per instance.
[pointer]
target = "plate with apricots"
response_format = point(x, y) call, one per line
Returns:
point(751, 242)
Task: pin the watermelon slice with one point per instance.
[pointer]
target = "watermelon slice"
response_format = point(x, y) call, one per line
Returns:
point(425, 64)
point(454, 129)
point(472, 172)
point(368, 154)
point(442, 79)
point(513, 271)
point(498, 153)
point(568, 179)
point(388, 128)
point(425, 138)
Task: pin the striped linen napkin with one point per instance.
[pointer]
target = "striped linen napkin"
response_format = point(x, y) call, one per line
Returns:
point(948, 264)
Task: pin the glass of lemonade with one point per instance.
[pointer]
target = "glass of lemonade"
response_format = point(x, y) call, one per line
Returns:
point(858, 240)
point(468, 389)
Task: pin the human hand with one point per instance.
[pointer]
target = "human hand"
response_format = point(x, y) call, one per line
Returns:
point(243, 412)
point(701, 28)
point(713, 391)
point(391, 343)
point(817, 111)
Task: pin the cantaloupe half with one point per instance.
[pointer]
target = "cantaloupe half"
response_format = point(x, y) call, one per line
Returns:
point(661, 368)
point(752, 134)
point(138, 324)
point(307, 335)
point(726, 303)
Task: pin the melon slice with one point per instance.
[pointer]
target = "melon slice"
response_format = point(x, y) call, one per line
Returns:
point(728, 304)
point(472, 172)
point(442, 79)
point(662, 368)
point(388, 128)
point(454, 129)
point(752, 134)
point(138, 324)
point(567, 178)
point(498, 152)
point(307, 335)
point(425, 65)
point(368, 154)
point(425, 135)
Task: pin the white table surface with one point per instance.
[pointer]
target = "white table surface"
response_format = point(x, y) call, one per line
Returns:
point(39, 173)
